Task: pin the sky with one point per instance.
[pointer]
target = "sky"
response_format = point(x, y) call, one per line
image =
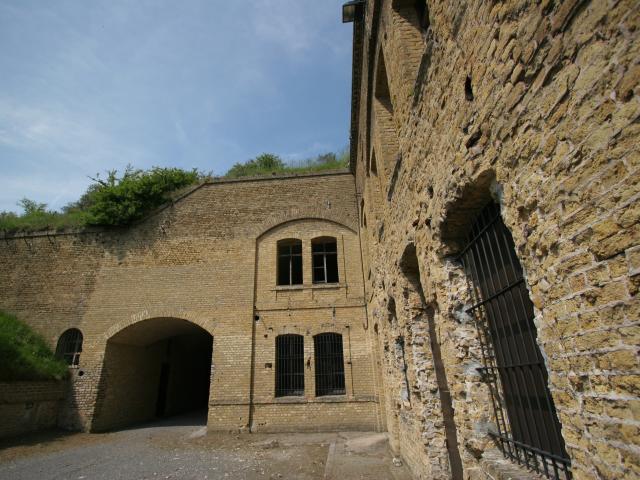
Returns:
point(91, 86)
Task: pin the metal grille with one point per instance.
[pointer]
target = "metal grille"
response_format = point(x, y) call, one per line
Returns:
point(289, 365)
point(70, 346)
point(290, 262)
point(329, 364)
point(528, 426)
point(325, 261)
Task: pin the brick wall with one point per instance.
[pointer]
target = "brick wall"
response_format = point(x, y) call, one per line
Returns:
point(29, 406)
point(534, 105)
point(208, 259)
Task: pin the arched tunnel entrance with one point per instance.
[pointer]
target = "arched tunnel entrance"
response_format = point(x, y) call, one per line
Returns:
point(154, 368)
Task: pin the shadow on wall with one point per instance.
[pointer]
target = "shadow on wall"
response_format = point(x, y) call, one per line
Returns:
point(409, 266)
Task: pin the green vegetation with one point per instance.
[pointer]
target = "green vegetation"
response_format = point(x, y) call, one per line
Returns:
point(37, 217)
point(115, 201)
point(24, 355)
point(122, 200)
point(269, 164)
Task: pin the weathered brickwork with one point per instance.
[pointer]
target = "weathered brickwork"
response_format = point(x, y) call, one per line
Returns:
point(29, 406)
point(207, 263)
point(534, 105)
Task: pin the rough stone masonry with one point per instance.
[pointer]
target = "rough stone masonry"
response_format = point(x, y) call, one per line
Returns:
point(533, 106)
point(490, 141)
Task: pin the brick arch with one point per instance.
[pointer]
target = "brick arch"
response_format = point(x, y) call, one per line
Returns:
point(324, 214)
point(152, 314)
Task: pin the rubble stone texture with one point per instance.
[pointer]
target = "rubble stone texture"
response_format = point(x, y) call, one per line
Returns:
point(533, 104)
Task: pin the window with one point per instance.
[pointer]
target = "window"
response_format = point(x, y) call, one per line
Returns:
point(422, 13)
point(410, 8)
point(528, 426)
point(289, 365)
point(329, 364)
point(290, 262)
point(70, 346)
point(325, 260)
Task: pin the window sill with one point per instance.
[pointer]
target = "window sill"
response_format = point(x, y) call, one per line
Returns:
point(329, 286)
point(285, 288)
point(331, 398)
point(323, 399)
point(314, 286)
point(290, 399)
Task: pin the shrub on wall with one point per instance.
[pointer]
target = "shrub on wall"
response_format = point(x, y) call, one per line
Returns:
point(121, 201)
point(114, 201)
point(24, 355)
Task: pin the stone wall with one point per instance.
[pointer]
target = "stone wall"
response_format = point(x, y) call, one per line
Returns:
point(533, 105)
point(29, 406)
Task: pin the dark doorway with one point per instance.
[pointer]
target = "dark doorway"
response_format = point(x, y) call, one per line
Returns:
point(154, 368)
point(163, 386)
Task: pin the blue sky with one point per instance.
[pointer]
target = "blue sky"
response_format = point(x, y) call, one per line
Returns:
point(87, 86)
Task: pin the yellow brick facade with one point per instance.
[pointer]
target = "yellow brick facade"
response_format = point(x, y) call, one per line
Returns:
point(206, 263)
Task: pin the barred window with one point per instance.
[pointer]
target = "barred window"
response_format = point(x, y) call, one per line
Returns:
point(70, 346)
point(325, 260)
point(290, 262)
point(329, 364)
point(528, 428)
point(289, 365)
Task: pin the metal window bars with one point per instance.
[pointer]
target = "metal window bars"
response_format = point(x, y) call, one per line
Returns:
point(289, 365)
point(527, 422)
point(70, 346)
point(325, 260)
point(329, 364)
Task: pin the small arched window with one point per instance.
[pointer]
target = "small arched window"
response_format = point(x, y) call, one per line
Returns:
point(329, 364)
point(325, 260)
point(290, 262)
point(70, 346)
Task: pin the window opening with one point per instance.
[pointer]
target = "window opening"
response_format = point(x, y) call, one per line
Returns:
point(422, 13)
point(325, 260)
point(329, 364)
point(290, 262)
point(528, 426)
point(468, 90)
point(405, 391)
point(70, 346)
point(289, 365)
point(374, 166)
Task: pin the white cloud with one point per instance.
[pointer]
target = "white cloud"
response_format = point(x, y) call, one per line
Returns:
point(60, 134)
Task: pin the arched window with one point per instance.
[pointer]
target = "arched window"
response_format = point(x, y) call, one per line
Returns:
point(329, 364)
point(290, 262)
point(325, 260)
point(528, 426)
point(70, 346)
point(289, 365)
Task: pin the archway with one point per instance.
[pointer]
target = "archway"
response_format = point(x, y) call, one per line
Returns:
point(154, 368)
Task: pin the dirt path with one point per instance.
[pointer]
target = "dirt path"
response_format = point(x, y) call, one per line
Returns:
point(180, 449)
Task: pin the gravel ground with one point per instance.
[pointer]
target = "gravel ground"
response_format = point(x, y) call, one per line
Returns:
point(179, 448)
